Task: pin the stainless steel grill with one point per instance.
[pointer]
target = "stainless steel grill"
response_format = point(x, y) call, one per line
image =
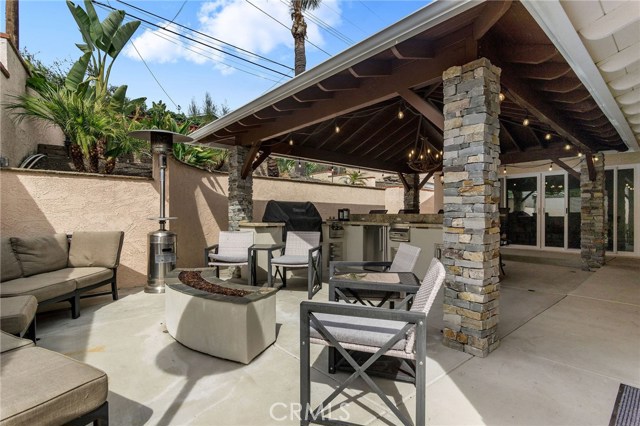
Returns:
point(400, 232)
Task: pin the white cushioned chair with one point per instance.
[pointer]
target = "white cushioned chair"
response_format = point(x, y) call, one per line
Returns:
point(232, 250)
point(302, 250)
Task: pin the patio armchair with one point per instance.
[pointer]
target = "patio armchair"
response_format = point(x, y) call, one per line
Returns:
point(232, 250)
point(353, 329)
point(405, 260)
point(302, 250)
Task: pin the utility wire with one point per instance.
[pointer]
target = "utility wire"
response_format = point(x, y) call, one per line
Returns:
point(154, 77)
point(205, 35)
point(194, 40)
point(179, 10)
point(193, 47)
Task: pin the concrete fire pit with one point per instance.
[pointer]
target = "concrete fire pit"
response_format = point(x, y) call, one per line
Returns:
point(232, 327)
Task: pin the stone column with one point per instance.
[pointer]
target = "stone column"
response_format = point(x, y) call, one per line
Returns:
point(240, 190)
point(471, 196)
point(412, 195)
point(593, 230)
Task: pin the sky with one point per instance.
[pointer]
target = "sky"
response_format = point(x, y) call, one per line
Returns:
point(186, 70)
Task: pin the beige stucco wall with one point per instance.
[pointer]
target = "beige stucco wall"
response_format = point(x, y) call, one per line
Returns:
point(19, 140)
point(198, 199)
point(36, 203)
point(394, 200)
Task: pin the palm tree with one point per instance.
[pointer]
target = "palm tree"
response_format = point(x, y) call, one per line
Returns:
point(355, 178)
point(299, 30)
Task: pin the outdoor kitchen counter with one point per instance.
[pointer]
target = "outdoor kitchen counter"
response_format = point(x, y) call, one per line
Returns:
point(261, 224)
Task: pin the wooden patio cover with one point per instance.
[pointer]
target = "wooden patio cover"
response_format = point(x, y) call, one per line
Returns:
point(362, 90)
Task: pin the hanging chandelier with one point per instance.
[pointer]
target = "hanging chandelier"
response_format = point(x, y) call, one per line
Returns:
point(424, 157)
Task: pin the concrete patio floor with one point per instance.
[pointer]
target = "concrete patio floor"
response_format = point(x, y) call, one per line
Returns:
point(569, 338)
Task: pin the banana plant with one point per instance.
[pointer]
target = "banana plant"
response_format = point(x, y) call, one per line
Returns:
point(103, 42)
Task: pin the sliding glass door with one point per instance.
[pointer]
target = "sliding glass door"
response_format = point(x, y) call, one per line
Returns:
point(554, 210)
point(522, 201)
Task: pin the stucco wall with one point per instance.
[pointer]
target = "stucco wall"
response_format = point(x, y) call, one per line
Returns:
point(199, 201)
point(39, 203)
point(19, 140)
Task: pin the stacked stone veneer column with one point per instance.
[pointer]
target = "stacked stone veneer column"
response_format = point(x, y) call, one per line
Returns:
point(240, 190)
point(412, 195)
point(471, 196)
point(593, 230)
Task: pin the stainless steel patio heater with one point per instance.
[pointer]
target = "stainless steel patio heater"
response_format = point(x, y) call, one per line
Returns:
point(162, 244)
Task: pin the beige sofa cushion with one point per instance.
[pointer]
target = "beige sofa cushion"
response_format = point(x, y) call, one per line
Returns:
point(83, 277)
point(9, 342)
point(43, 286)
point(95, 249)
point(41, 254)
point(41, 387)
point(10, 267)
point(16, 313)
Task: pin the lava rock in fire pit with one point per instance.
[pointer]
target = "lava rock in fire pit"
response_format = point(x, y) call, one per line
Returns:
point(194, 279)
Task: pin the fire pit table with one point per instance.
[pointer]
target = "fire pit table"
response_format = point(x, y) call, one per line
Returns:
point(230, 321)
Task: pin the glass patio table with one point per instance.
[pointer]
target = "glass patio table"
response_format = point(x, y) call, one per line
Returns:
point(374, 288)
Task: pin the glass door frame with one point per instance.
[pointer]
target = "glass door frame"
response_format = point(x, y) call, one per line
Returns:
point(543, 207)
point(540, 209)
point(614, 225)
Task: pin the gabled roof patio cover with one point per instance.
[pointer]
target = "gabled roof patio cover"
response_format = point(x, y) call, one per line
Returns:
point(362, 89)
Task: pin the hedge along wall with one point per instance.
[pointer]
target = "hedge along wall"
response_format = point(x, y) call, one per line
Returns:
point(34, 202)
point(41, 202)
point(198, 199)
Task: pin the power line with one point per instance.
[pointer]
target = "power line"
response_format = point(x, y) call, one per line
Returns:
point(154, 77)
point(204, 34)
point(192, 47)
point(179, 10)
point(194, 40)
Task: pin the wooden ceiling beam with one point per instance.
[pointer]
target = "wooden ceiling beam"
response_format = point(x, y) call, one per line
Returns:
point(339, 83)
point(372, 91)
point(291, 104)
point(414, 49)
point(313, 93)
point(250, 158)
point(584, 106)
point(535, 104)
point(382, 129)
point(528, 54)
point(253, 120)
point(425, 180)
point(492, 12)
point(560, 85)
point(373, 121)
point(338, 158)
point(392, 142)
point(269, 112)
point(385, 136)
point(429, 112)
point(566, 167)
point(264, 154)
point(371, 68)
point(571, 97)
point(504, 129)
point(591, 168)
point(555, 151)
point(547, 71)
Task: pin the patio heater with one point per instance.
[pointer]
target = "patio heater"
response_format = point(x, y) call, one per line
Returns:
point(162, 244)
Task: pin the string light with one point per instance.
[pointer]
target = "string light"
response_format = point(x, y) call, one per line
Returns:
point(579, 154)
point(504, 170)
point(337, 129)
point(526, 121)
point(291, 141)
point(400, 114)
point(547, 137)
point(501, 97)
point(299, 164)
point(551, 167)
point(567, 147)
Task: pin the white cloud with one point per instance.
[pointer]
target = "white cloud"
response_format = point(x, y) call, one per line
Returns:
point(236, 22)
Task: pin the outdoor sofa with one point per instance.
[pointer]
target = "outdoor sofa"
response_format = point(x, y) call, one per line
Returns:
point(56, 268)
point(42, 387)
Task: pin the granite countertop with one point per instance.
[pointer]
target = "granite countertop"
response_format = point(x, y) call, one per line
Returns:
point(411, 224)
